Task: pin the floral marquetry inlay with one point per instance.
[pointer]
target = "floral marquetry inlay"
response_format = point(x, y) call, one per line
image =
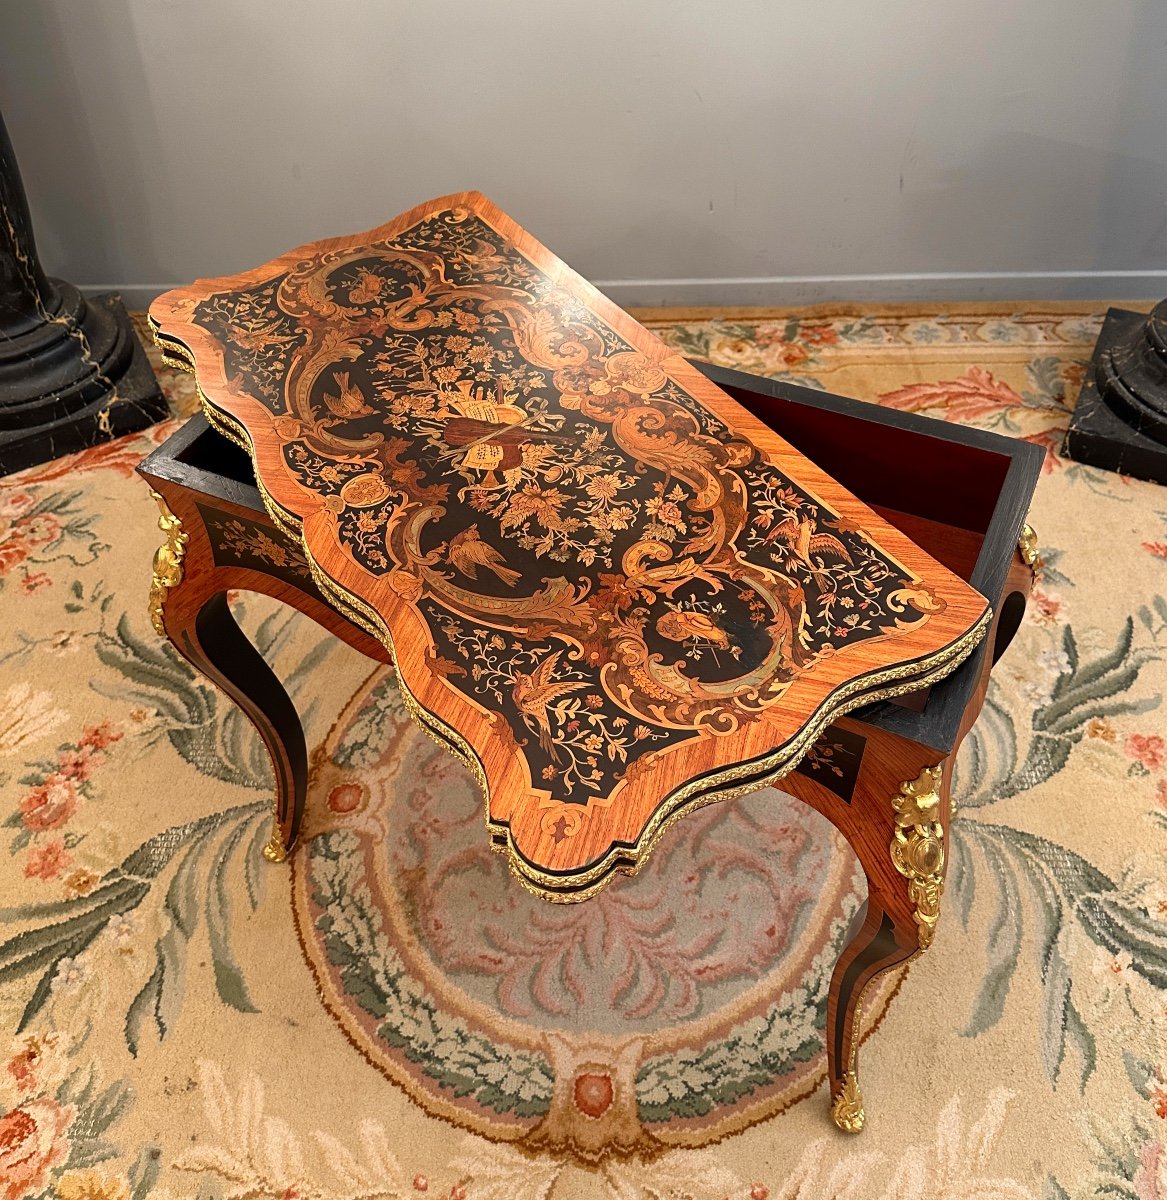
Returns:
point(607, 587)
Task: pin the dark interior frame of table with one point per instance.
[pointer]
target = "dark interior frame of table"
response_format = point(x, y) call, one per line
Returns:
point(961, 494)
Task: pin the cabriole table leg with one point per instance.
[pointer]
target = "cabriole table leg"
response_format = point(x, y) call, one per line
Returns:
point(188, 605)
point(899, 835)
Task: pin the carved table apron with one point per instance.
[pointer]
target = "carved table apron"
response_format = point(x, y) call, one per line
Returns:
point(460, 453)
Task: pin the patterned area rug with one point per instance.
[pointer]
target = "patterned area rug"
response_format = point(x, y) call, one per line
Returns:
point(390, 1015)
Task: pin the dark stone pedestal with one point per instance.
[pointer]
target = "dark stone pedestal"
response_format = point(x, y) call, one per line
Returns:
point(94, 385)
point(72, 371)
point(1120, 423)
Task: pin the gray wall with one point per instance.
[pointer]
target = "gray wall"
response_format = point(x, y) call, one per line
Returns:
point(675, 151)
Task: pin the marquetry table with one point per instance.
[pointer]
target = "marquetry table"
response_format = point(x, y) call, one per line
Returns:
point(615, 584)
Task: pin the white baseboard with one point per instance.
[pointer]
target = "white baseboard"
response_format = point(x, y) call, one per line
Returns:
point(778, 290)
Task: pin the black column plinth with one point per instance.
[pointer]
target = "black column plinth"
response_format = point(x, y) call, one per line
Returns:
point(1120, 423)
point(72, 371)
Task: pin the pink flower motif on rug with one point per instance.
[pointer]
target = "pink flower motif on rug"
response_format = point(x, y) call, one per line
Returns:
point(50, 804)
point(47, 861)
point(33, 1140)
point(1149, 750)
point(56, 791)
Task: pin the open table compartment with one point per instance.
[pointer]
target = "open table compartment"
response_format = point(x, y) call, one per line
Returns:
point(961, 494)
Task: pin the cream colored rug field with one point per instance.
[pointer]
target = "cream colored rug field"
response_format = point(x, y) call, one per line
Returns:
point(389, 1015)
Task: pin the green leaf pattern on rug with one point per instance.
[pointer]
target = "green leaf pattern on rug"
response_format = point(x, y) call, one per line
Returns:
point(1063, 886)
point(215, 738)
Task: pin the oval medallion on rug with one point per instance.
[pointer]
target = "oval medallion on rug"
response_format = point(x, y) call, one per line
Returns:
point(674, 1008)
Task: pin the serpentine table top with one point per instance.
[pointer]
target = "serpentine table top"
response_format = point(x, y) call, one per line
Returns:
point(608, 588)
